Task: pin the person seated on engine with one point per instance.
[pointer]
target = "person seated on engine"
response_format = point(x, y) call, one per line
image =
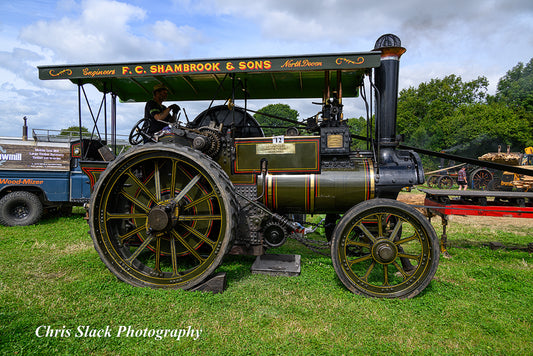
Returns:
point(159, 115)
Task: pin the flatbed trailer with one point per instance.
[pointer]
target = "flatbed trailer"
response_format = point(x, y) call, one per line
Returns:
point(476, 203)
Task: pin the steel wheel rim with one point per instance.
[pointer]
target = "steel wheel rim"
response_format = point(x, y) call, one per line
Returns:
point(19, 211)
point(170, 256)
point(481, 179)
point(446, 182)
point(372, 247)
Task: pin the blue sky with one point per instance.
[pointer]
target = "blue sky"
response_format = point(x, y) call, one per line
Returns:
point(467, 38)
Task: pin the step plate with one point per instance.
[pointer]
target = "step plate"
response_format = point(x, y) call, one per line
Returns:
point(277, 265)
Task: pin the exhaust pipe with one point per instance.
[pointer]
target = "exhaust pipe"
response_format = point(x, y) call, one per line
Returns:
point(25, 130)
point(396, 168)
point(386, 77)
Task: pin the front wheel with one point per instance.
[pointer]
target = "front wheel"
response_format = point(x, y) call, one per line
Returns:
point(20, 209)
point(385, 248)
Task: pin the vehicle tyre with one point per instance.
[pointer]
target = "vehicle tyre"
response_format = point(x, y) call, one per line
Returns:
point(494, 184)
point(445, 182)
point(163, 216)
point(20, 209)
point(385, 248)
point(432, 181)
point(480, 178)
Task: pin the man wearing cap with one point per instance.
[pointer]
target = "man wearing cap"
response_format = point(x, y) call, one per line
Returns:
point(158, 114)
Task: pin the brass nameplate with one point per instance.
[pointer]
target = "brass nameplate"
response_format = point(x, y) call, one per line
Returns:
point(335, 141)
point(275, 148)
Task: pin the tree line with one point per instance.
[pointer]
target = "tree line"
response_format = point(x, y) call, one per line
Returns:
point(459, 117)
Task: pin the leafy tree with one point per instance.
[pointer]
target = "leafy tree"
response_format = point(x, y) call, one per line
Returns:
point(516, 87)
point(479, 128)
point(358, 127)
point(273, 126)
point(515, 90)
point(423, 112)
point(458, 117)
point(73, 130)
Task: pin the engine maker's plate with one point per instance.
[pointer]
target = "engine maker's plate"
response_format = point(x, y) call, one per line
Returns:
point(298, 154)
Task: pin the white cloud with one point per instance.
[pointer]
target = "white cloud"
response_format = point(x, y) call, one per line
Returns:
point(467, 38)
point(101, 32)
point(180, 38)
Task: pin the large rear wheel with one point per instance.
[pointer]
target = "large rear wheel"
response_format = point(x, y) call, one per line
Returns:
point(163, 216)
point(385, 248)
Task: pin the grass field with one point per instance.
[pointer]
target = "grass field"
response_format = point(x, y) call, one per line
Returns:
point(480, 302)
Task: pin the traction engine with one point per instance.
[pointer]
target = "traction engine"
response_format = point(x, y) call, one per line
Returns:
point(165, 213)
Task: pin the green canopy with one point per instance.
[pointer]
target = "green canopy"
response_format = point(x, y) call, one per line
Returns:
point(260, 77)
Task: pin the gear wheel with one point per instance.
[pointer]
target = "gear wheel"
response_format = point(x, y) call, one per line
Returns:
point(274, 234)
point(214, 140)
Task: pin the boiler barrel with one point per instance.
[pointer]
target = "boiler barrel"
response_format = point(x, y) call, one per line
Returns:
point(328, 192)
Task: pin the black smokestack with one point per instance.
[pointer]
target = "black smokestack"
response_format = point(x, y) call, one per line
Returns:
point(25, 130)
point(387, 85)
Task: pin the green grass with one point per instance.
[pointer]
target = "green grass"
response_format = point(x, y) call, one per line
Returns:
point(480, 302)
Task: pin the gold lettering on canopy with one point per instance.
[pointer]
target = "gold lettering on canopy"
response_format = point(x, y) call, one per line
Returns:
point(341, 60)
point(52, 74)
point(301, 63)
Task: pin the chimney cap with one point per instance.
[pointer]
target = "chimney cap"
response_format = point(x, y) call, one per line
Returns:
point(388, 40)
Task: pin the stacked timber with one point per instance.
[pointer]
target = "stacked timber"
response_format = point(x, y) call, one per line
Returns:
point(525, 183)
point(512, 159)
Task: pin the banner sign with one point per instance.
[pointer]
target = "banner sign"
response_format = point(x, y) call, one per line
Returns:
point(28, 155)
point(347, 61)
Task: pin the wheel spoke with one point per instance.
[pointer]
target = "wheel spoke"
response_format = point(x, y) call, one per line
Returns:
point(174, 256)
point(173, 178)
point(370, 268)
point(135, 201)
point(186, 189)
point(198, 234)
point(157, 267)
point(140, 249)
point(396, 229)
point(157, 181)
point(400, 269)
point(407, 239)
point(111, 216)
point(386, 275)
point(187, 246)
point(411, 257)
point(366, 232)
point(198, 201)
point(357, 243)
point(360, 259)
point(142, 186)
point(199, 217)
point(131, 233)
point(380, 225)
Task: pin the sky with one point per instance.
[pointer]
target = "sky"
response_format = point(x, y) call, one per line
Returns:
point(466, 38)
